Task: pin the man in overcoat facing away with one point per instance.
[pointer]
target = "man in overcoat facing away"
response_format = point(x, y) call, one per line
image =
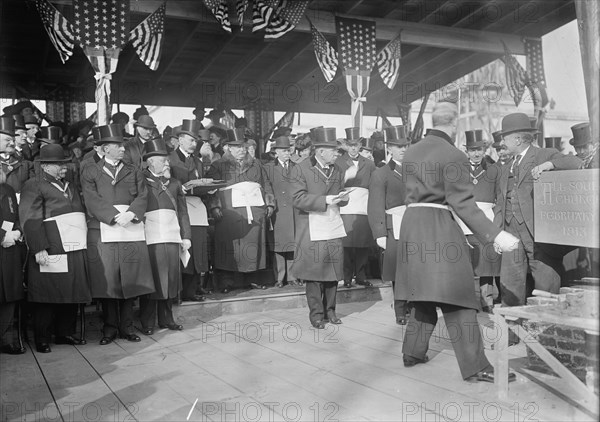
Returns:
point(116, 198)
point(433, 255)
point(168, 234)
point(134, 147)
point(319, 258)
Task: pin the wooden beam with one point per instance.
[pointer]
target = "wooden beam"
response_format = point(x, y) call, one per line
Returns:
point(164, 66)
point(252, 56)
point(209, 59)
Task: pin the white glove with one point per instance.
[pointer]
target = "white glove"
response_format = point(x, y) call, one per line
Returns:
point(11, 238)
point(505, 242)
point(334, 199)
point(42, 257)
point(382, 242)
point(123, 219)
point(350, 173)
point(186, 244)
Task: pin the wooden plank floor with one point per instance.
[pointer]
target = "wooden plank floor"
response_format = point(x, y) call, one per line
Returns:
point(272, 366)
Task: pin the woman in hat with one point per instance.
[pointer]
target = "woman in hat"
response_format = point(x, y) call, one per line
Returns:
point(217, 137)
point(54, 223)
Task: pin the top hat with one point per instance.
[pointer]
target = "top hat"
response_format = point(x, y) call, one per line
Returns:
point(108, 134)
point(312, 132)
point(281, 131)
point(50, 135)
point(236, 136)
point(396, 135)
point(154, 147)
point(190, 127)
point(7, 125)
point(581, 134)
point(369, 143)
point(497, 138)
point(31, 120)
point(19, 121)
point(553, 142)
point(281, 142)
point(204, 134)
point(353, 135)
point(325, 137)
point(516, 122)
point(145, 121)
point(474, 139)
point(52, 153)
point(533, 122)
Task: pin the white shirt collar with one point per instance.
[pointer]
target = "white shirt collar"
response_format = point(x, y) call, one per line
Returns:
point(282, 163)
point(185, 154)
point(111, 162)
point(321, 164)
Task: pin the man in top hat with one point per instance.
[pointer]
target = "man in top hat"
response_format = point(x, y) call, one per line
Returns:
point(186, 166)
point(358, 233)
point(281, 172)
point(241, 211)
point(20, 136)
point(168, 234)
point(437, 181)
point(386, 207)
point(15, 170)
point(366, 149)
point(54, 223)
point(11, 235)
point(317, 192)
point(116, 199)
point(32, 148)
point(514, 211)
point(585, 149)
point(134, 147)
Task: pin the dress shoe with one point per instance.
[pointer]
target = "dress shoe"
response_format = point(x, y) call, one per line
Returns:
point(73, 341)
point(320, 325)
point(147, 331)
point(299, 282)
point(279, 284)
point(488, 376)
point(364, 283)
point(293, 283)
point(131, 337)
point(107, 339)
point(258, 286)
point(174, 327)
point(43, 348)
point(195, 298)
point(410, 361)
point(347, 284)
point(11, 349)
point(334, 319)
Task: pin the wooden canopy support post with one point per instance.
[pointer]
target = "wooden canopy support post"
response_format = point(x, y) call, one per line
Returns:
point(259, 122)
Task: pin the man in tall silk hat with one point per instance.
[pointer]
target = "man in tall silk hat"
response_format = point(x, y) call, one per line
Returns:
point(119, 265)
point(486, 262)
point(386, 208)
point(11, 236)
point(514, 211)
point(433, 257)
point(241, 211)
point(54, 222)
point(358, 233)
point(281, 237)
point(168, 235)
point(20, 136)
point(186, 166)
point(134, 147)
point(16, 169)
point(317, 192)
point(585, 149)
point(32, 148)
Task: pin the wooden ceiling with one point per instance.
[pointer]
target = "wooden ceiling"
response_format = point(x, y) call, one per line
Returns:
point(442, 41)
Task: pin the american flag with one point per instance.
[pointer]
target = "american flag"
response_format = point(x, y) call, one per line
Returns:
point(326, 55)
point(516, 77)
point(285, 18)
point(58, 28)
point(101, 23)
point(356, 44)
point(147, 37)
point(385, 122)
point(220, 10)
point(240, 9)
point(388, 62)
point(535, 70)
point(261, 13)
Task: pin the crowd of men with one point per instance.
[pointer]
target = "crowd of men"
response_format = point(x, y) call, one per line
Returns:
point(117, 218)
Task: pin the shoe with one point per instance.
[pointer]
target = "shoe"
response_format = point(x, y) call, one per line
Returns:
point(11, 349)
point(279, 284)
point(410, 361)
point(299, 283)
point(347, 284)
point(73, 341)
point(174, 327)
point(107, 339)
point(334, 319)
point(365, 283)
point(43, 348)
point(258, 286)
point(488, 376)
point(147, 331)
point(319, 325)
point(195, 298)
point(131, 337)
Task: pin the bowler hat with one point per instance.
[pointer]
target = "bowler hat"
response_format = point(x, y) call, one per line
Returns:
point(281, 142)
point(19, 121)
point(50, 135)
point(145, 121)
point(204, 134)
point(497, 138)
point(154, 147)
point(7, 125)
point(353, 135)
point(553, 142)
point(325, 137)
point(108, 134)
point(52, 153)
point(474, 139)
point(581, 134)
point(516, 122)
point(395, 135)
point(190, 127)
point(236, 136)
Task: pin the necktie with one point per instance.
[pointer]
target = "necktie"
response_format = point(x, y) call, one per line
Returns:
point(112, 169)
point(515, 168)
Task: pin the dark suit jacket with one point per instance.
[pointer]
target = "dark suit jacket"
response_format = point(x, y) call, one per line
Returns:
point(21, 170)
point(134, 150)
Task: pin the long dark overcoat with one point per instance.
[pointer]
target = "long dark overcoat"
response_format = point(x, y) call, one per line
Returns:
point(11, 273)
point(17, 171)
point(282, 237)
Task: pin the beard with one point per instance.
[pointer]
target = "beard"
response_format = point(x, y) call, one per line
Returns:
point(167, 172)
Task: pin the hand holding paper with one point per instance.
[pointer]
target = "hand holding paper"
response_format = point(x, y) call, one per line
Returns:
point(505, 242)
point(42, 257)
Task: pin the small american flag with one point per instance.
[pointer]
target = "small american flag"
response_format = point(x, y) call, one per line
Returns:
point(285, 18)
point(220, 10)
point(261, 13)
point(516, 77)
point(240, 9)
point(101, 23)
point(326, 55)
point(535, 70)
point(388, 62)
point(147, 37)
point(58, 28)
